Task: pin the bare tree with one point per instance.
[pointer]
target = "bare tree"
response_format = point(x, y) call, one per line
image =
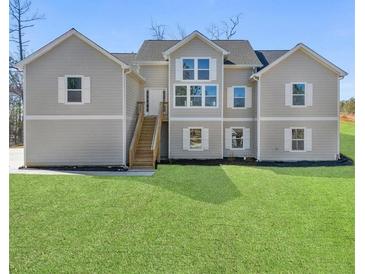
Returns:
point(230, 27)
point(214, 31)
point(158, 31)
point(20, 20)
point(19, 10)
point(181, 30)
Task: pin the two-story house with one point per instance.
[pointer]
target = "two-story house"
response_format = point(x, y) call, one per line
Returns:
point(193, 98)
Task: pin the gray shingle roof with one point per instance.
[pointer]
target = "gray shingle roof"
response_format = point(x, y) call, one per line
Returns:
point(241, 51)
point(268, 56)
point(128, 58)
point(151, 50)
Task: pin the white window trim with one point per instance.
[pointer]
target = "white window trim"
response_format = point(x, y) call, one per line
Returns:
point(233, 87)
point(243, 145)
point(201, 139)
point(66, 91)
point(291, 140)
point(292, 95)
point(188, 95)
point(196, 69)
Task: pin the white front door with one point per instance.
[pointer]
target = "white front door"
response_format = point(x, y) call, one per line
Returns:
point(153, 98)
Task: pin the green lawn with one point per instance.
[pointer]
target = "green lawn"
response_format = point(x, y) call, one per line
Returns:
point(187, 219)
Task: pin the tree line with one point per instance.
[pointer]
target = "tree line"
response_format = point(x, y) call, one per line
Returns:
point(348, 106)
point(21, 19)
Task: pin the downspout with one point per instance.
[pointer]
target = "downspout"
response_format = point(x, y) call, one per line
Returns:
point(258, 118)
point(124, 111)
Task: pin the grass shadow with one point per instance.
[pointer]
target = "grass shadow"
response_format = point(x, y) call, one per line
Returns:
point(200, 183)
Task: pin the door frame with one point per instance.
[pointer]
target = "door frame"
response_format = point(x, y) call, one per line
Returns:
point(145, 96)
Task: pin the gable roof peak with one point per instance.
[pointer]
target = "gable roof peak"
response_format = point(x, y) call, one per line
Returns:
point(188, 38)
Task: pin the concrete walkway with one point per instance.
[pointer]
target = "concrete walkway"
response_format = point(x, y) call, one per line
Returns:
point(16, 160)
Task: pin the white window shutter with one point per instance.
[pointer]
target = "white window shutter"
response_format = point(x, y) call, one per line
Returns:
point(186, 138)
point(228, 138)
point(213, 69)
point(309, 94)
point(178, 69)
point(248, 101)
point(205, 138)
point(246, 138)
point(287, 139)
point(61, 90)
point(288, 94)
point(229, 97)
point(308, 139)
point(85, 89)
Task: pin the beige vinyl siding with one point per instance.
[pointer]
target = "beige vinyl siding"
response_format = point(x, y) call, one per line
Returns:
point(239, 77)
point(324, 140)
point(74, 142)
point(156, 75)
point(73, 57)
point(299, 67)
point(176, 141)
point(241, 153)
point(196, 48)
point(134, 91)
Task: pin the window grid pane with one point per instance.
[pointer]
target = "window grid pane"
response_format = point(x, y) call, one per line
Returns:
point(298, 139)
point(237, 138)
point(195, 138)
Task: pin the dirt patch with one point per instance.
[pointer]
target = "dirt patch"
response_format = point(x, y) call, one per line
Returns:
point(347, 117)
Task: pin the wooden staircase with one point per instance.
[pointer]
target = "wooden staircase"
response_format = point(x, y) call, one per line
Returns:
point(144, 157)
point(144, 150)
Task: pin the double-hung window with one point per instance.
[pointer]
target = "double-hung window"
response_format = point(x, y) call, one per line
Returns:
point(210, 96)
point(239, 95)
point(181, 96)
point(188, 69)
point(74, 90)
point(297, 139)
point(196, 138)
point(203, 69)
point(298, 90)
point(237, 138)
point(196, 96)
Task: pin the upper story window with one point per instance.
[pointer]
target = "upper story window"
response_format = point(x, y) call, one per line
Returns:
point(298, 92)
point(196, 96)
point(239, 95)
point(188, 69)
point(203, 69)
point(181, 96)
point(210, 96)
point(195, 68)
point(74, 89)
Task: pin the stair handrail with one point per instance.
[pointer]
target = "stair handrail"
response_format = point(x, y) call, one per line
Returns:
point(137, 132)
point(156, 140)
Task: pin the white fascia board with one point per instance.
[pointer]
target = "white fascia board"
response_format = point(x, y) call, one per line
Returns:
point(308, 51)
point(62, 38)
point(188, 39)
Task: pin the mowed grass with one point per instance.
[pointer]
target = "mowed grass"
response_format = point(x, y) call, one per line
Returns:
point(187, 219)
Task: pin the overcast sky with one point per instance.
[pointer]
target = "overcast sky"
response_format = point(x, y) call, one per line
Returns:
point(121, 26)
